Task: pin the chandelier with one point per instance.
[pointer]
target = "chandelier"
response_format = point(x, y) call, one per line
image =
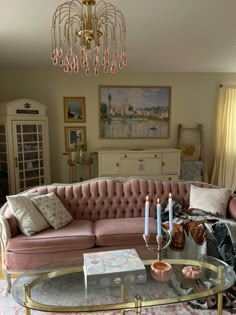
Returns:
point(87, 36)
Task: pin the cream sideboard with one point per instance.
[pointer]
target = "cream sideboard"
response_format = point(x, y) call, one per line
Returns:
point(161, 164)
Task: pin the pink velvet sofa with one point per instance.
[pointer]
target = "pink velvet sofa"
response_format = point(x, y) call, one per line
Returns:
point(108, 214)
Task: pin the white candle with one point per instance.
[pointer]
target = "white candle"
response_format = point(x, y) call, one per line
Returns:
point(158, 218)
point(146, 227)
point(170, 212)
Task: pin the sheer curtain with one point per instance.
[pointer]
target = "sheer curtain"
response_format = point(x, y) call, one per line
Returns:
point(224, 172)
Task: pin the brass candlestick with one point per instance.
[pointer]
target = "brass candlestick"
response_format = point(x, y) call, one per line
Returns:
point(161, 243)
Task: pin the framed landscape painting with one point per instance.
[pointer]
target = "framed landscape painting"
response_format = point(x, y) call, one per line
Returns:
point(75, 137)
point(134, 111)
point(74, 109)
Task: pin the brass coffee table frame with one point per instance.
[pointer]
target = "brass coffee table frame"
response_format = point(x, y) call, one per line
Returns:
point(137, 304)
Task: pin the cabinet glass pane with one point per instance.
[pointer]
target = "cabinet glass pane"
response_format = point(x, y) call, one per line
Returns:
point(18, 128)
point(19, 147)
point(19, 138)
point(31, 174)
point(29, 128)
point(2, 147)
point(30, 156)
point(2, 138)
point(32, 182)
point(30, 137)
point(20, 157)
point(3, 156)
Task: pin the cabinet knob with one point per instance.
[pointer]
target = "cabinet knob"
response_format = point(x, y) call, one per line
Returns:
point(170, 178)
point(163, 163)
point(125, 156)
point(155, 155)
point(117, 164)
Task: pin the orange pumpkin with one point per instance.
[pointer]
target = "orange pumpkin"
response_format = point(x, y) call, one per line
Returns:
point(191, 272)
point(161, 271)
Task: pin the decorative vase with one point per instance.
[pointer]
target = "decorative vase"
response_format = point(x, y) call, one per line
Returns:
point(161, 271)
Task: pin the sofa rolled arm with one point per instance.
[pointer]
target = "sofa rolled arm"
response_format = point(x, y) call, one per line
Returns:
point(5, 232)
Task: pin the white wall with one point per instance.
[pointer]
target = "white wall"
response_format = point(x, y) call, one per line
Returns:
point(194, 100)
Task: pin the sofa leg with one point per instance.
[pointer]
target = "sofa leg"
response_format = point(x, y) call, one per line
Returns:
point(7, 278)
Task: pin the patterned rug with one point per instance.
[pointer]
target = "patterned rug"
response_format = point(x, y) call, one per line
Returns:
point(9, 307)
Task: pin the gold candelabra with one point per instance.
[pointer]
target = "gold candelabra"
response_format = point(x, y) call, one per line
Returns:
point(162, 243)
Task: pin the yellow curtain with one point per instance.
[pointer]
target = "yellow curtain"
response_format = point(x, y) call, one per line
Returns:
point(224, 172)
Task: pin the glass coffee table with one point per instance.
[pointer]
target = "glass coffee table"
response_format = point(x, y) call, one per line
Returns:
point(60, 287)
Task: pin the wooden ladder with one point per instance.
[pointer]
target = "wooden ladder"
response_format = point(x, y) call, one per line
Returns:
point(199, 131)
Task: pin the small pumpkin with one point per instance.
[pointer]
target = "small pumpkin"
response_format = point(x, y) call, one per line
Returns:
point(192, 272)
point(161, 271)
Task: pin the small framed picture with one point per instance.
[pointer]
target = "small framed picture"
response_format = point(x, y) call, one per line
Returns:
point(74, 109)
point(75, 137)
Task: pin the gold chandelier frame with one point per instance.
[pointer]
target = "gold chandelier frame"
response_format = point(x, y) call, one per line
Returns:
point(88, 35)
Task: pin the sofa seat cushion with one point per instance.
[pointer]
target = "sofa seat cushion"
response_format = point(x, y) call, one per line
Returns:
point(78, 234)
point(124, 231)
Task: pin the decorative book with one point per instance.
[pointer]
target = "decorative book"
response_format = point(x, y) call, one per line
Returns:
point(113, 268)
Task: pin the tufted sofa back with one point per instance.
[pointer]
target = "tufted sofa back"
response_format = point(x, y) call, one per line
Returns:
point(107, 198)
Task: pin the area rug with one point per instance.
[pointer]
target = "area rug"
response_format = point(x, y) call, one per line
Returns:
point(9, 307)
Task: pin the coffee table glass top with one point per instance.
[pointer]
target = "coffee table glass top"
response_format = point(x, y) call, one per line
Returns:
point(60, 286)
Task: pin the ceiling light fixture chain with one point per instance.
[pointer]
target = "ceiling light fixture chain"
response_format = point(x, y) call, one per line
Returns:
point(87, 35)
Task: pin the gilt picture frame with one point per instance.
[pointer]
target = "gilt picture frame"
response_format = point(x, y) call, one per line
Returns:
point(74, 109)
point(134, 111)
point(75, 137)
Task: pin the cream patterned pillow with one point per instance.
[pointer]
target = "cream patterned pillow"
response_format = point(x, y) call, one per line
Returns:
point(53, 210)
point(212, 200)
point(29, 218)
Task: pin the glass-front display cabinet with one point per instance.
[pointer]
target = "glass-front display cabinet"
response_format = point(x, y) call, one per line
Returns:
point(24, 145)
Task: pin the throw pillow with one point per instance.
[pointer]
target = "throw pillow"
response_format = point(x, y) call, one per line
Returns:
point(213, 200)
point(53, 210)
point(29, 218)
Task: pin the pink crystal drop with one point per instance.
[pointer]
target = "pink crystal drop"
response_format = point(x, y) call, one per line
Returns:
point(61, 63)
point(96, 71)
point(116, 54)
point(53, 54)
point(106, 52)
point(113, 67)
point(96, 50)
point(87, 71)
point(66, 60)
point(76, 69)
point(60, 53)
point(70, 52)
point(55, 61)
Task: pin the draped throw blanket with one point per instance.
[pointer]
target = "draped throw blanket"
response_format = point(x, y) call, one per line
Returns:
point(199, 232)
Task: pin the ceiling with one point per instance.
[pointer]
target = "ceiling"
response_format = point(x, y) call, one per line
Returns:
point(162, 35)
